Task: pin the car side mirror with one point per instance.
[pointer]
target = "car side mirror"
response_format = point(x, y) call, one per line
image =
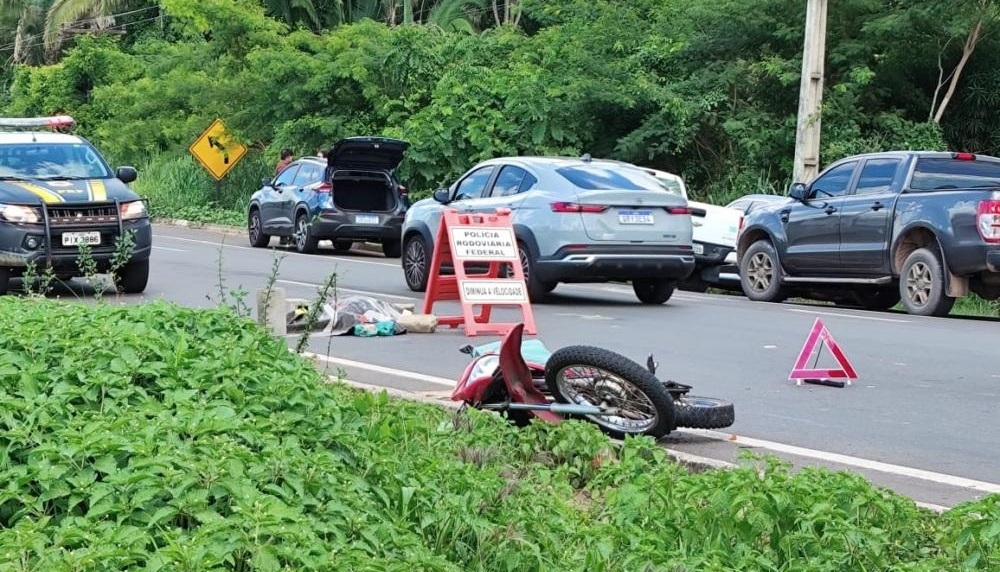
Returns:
point(442, 196)
point(798, 192)
point(265, 182)
point(126, 174)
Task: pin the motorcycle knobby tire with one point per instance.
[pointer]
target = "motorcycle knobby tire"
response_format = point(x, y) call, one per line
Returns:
point(623, 368)
point(697, 412)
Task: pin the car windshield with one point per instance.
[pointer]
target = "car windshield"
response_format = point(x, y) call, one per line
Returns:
point(935, 174)
point(51, 161)
point(605, 177)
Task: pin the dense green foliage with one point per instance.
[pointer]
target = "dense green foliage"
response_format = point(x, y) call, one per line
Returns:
point(161, 438)
point(706, 88)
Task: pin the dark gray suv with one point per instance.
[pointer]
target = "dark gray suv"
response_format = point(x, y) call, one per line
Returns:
point(351, 196)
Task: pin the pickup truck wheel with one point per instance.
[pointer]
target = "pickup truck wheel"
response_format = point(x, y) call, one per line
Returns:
point(921, 285)
point(652, 291)
point(760, 273)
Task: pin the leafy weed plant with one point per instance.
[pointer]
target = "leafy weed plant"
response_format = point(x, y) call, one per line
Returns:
point(162, 438)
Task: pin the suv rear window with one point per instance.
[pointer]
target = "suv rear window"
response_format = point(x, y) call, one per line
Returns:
point(942, 174)
point(604, 178)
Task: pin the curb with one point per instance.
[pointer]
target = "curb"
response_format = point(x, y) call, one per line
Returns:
point(229, 229)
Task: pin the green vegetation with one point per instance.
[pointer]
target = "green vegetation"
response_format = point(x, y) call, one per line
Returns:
point(161, 438)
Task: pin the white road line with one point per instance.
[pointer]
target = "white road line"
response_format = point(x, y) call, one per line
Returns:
point(170, 249)
point(839, 315)
point(355, 291)
point(900, 470)
point(283, 252)
point(382, 369)
point(940, 478)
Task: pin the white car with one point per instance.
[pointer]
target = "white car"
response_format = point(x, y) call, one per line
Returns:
point(714, 235)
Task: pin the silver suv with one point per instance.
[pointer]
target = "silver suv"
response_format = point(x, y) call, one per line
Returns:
point(576, 220)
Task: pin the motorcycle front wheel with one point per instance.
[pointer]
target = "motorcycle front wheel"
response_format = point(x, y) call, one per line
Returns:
point(635, 400)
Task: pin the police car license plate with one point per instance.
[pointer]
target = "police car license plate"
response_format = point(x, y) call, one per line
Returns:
point(366, 219)
point(78, 238)
point(635, 217)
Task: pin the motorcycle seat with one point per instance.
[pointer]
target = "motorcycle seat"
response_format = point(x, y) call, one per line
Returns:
point(532, 351)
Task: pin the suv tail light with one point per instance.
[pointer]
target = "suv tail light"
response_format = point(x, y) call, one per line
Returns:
point(577, 208)
point(403, 190)
point(324, 188)
point(988, 221)
point(739, 226)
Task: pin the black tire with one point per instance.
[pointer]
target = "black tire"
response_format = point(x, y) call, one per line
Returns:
point(342, 245)
point(697, 412)
point(537, 291)
point(626, 370)
point(133, 277)
point(879, 299)
point(4, 280)
point(255, 230)
point(693, 284)
point(760, 273)
point(392, 248)
point(416, 261)
point(305, 242)
point(922, 286)
point(653, 291)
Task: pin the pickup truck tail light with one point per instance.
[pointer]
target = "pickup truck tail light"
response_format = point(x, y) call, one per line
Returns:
point(577, 208)
point(988, 221)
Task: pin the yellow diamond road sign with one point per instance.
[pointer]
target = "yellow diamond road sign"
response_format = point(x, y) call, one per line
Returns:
point(216, 150)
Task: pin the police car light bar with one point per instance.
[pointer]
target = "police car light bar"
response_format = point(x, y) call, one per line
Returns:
point(29, 122)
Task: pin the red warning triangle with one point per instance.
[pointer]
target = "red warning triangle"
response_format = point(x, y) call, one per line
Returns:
point(817, 334)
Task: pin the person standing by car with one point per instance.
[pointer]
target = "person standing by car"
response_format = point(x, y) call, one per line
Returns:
point(286, 158)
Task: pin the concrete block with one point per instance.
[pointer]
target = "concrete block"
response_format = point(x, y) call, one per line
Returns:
point(419, 323)
point(405, 308)
point(271, 310)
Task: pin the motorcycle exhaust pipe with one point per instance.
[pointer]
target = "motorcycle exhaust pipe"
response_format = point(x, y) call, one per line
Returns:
point(560, 408)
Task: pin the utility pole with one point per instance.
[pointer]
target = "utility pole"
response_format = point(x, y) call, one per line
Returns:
point(807, 133)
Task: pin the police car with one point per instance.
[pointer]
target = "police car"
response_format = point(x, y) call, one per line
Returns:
point(56, 193)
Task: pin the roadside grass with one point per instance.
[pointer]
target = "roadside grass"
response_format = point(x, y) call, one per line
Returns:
point(166, 438)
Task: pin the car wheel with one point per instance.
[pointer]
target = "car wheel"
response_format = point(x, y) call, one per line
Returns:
point(760, 273)
point(921, 285)
point(305, 242)
point(255, 229)
point(342, 245)
point(537, 290)
point(392, 248)
point(4, 280)
point(132, 279)
point(416, 262)
point(879, 299)
point(652, 290)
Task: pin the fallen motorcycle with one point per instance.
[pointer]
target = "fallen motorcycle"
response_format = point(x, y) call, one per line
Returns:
point(524, 380)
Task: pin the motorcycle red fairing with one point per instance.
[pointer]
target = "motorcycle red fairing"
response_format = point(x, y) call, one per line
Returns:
point(480, 375)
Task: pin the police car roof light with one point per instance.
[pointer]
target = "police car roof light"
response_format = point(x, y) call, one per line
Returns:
point(36, 122)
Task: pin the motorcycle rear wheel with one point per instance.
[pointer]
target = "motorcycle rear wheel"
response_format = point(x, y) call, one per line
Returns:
point(696, 412)
point(608, 373)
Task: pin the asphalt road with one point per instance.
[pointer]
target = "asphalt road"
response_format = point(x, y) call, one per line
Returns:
point(927, 398)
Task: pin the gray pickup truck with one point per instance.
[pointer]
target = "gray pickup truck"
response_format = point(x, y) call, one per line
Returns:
point(876, 229)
